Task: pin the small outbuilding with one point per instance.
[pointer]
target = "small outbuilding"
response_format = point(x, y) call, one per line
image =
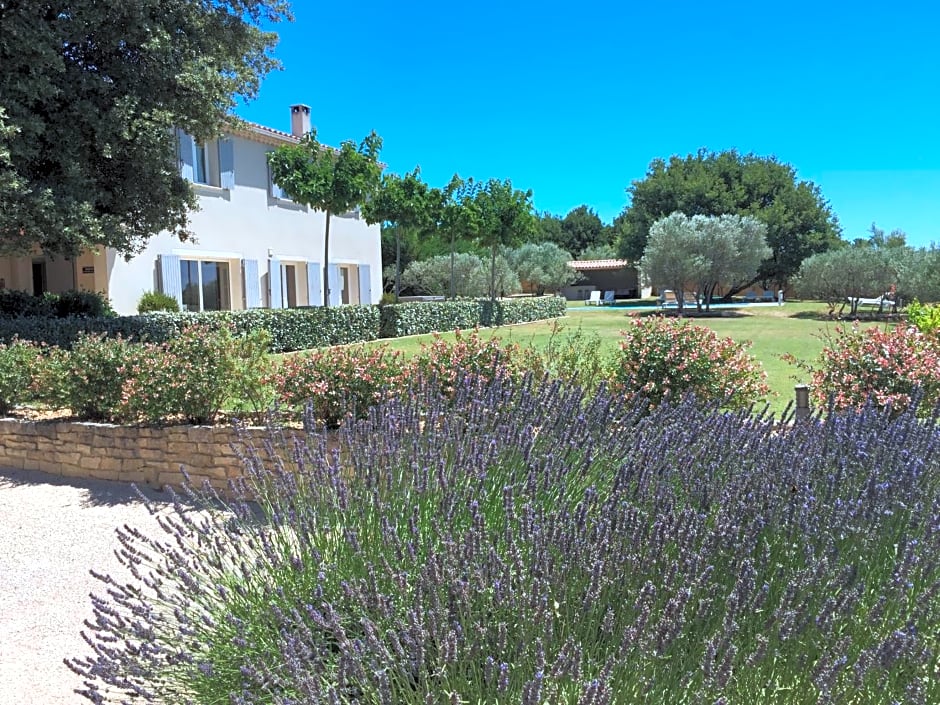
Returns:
point(617, 275)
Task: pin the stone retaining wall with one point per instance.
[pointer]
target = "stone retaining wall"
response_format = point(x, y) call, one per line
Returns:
point(150, 456)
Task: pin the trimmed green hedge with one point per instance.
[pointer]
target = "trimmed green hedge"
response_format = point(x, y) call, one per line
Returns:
point(429, 316)
point(290, 329)
point(294, 328)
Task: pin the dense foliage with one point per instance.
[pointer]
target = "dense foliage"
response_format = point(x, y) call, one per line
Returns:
point(799, 220)
point(334, 181)
point(504, 217)
point(18, 362)
point(405, 204)
point(868, 269)
point(21, 304)
point(924, 317)
point(524, 544)
point(542, 267)
point(662, 357)
point(428, 317)
point(890, 367)
point(843, 276)
point(151, 301)
point(463, 273)
point(289, 329)
point(90, 94)
point(188, 378)
point(581, 232)
point(703, 253)
point(330, 385)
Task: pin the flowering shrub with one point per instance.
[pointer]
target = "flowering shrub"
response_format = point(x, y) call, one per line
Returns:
point(193, 375)
point(189, 378)
point(337, 382)
point(886, 366)
point(18, 361)
point(88, 379)
point(661, 356)
point(468, 356)
point(544, 551)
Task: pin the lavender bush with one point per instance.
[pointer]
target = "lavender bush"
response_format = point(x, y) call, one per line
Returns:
point(523, 544)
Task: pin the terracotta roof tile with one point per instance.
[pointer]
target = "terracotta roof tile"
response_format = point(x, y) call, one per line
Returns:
point(599, 264)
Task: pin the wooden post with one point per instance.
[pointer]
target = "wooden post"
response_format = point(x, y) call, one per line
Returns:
point(802, 402)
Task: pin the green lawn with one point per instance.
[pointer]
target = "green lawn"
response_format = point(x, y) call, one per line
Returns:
point(796, 328)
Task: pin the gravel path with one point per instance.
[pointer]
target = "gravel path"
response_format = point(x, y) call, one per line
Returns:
point(52, 530)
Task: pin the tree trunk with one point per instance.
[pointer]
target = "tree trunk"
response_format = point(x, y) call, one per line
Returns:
point(326, 263)
point(397, 264)
point(453, 293)
point(493, 274)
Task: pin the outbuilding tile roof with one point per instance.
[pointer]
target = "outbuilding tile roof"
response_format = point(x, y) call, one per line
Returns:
point(599, 264)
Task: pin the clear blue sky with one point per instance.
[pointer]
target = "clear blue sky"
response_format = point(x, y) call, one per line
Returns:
point(574, 100)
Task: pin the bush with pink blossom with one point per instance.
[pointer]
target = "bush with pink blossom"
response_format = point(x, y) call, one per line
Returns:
point(663, 357)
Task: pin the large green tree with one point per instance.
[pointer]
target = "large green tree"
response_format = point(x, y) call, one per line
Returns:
point(843, 276)
point(732, 248)
point(505, 218)
point(90, 94)
point(799, 221)
point(672, 258)
point(543, 266)
point(407, 205)
point(581, 229)
point(330, 180)
point(702, 252)
point(459, 217)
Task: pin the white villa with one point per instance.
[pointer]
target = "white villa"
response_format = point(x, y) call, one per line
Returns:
point(253, 246)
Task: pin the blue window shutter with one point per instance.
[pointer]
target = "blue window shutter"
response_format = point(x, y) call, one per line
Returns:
point(336, 288)
point(314, 284)
point(186, 155)
point(252, 283)
point(274, 283)
point(227, 162)
point(365, 284)
point(170, 281)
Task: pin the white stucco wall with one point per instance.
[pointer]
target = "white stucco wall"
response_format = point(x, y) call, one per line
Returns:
point(247, 223)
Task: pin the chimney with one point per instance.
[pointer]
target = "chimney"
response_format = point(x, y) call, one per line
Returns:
point(299, 120)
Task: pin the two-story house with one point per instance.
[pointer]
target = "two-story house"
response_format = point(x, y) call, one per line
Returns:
point(253, 247)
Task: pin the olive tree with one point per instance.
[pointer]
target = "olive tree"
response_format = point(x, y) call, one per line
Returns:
point(543, 266)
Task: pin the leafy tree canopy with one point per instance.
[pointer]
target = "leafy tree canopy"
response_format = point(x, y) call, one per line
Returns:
point(847, 274)
point(505, 217)
point(703, 252)
point(579, 230)
point(799, 221)
point(90, 94)
point(406, 204)
point(331, 180)
point(433, 275)
point(543, 266)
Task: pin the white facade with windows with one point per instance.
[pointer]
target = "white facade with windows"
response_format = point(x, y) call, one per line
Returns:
point(253, 247)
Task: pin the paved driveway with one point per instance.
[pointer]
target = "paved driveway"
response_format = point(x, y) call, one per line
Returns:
point(52, 530)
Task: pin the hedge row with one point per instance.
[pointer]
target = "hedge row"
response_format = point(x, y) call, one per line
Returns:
point(426, 317)
point(292, 329)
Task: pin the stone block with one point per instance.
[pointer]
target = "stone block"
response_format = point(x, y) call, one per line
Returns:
point(68, 458)
point(90, 461)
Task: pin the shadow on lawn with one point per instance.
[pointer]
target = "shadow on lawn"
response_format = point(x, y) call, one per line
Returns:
point(689, 313)
point(829, 316)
